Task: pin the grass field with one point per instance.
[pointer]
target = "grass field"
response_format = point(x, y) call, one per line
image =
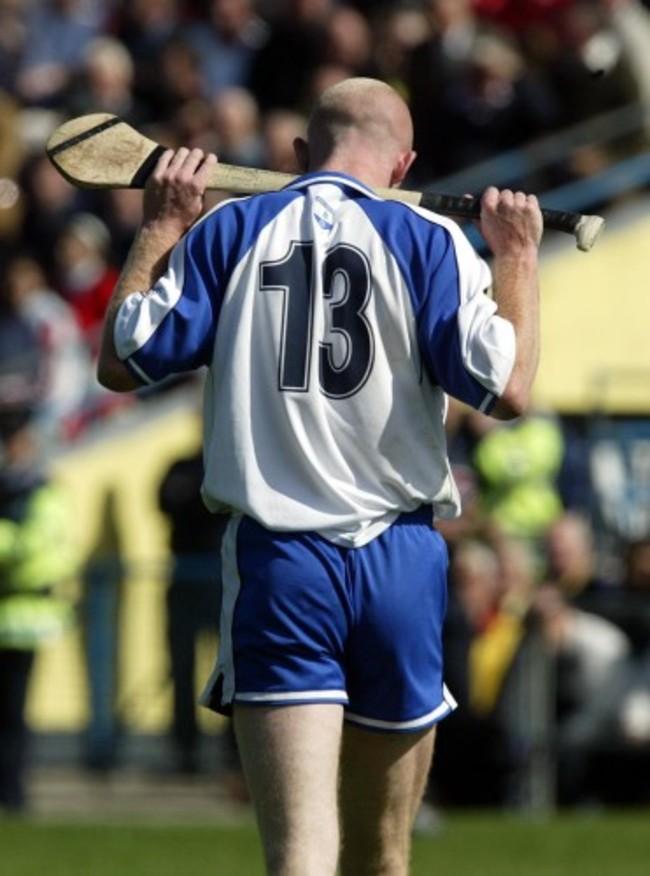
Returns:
point(485, 845)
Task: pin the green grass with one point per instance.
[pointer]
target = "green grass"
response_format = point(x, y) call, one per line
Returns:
point(42, 849)
point(566, 845)
point(485, 845)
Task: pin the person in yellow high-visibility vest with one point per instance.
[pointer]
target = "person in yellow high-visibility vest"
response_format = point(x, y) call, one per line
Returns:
point(36, 559)
point(518, 465)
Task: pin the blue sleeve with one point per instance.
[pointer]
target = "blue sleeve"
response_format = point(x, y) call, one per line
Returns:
point(443, 348)
point(184, 338)
point(446, 282)
point(172, 327)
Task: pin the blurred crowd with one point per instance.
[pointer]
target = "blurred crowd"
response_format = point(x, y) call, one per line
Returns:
point(537, 601)
point(237, 77)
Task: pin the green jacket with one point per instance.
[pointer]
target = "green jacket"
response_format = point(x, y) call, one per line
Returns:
point(518, 464)
point(37, 559)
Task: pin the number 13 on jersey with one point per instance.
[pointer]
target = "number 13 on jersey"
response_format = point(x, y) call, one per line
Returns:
point(346, 350)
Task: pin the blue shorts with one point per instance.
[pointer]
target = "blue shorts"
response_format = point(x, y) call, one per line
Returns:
point(306, 621)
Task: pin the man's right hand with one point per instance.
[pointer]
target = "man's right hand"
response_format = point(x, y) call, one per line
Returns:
point(510, 222)
point(174, 193)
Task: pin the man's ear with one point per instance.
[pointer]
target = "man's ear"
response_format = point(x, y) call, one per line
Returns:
point(301, 150)
point(401, 168)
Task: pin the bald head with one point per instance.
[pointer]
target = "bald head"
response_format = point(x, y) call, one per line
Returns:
point(363, 127)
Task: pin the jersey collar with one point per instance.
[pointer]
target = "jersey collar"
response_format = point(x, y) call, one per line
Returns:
point(326, 176)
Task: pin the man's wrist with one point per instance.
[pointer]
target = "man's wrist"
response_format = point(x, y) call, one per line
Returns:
point(162, 235)
point(526, 255)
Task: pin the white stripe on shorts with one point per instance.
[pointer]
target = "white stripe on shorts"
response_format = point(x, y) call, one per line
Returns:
point(447, 705)
point(312, 696)
point(231, 585)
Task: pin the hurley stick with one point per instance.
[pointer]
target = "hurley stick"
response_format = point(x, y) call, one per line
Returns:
point(101, 151)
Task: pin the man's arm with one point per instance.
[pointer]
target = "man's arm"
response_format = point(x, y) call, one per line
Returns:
point(512, 225)
point(173, 201)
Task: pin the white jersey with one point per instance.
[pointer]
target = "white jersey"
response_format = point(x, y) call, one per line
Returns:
point(333, 324)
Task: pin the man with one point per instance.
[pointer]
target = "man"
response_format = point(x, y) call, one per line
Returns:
point(37, 561)
point(193, 596)
point(37, 557)
point(332, 323)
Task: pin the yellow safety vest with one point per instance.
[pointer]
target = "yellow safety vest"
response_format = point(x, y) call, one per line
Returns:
point(37, 558)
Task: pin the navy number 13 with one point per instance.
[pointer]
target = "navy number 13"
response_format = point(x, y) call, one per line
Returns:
point(346, 350)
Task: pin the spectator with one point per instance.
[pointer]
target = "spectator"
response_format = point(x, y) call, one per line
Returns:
point(624, 762)
point(36, 553)
point(322, 77)
point(66, 371)
point(574, 479)
point(280, 128)
point(495, 600)
point(349, 41)
point(237, 126)
point(434, 67)
point(282, 70)
point(634, 597)
point(570, 552)
point(347, 51)
point(21, 364)
point(178, 79)
point(50, 203)
point(590, 655)
point(104, 83)
point(35, 557)
point(630, 22)
point(13, 36)
point(397, 30)
point(470, 80)
point(193, 596)
point(193, 609)
point(193, 123)
point(591, 74)
point(475, 761)
point(58, 35)
point(463, 430)
point(85, 276)
point(636, 578)
point(145, 27)
point(625, 601)
point(518, 571)
point(520, 16)
point(120, 210)
point(227, 43)
point(517, 466)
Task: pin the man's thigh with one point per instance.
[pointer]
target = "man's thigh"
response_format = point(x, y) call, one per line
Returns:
point(290, 756)
point(383, 779)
